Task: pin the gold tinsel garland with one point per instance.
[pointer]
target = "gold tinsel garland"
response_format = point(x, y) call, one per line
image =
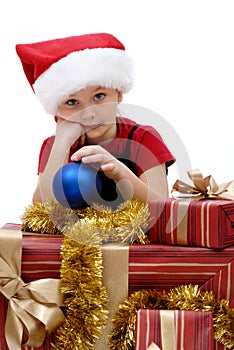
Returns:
point(81, 270)
point(85, 297)
point(81, 267)
point(179, 298)
point(93, 225)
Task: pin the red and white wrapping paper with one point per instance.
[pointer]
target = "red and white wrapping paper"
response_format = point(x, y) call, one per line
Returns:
point(174, 330)
point(40, 259)
point(162, 267)
point(202, 223)
point(157, 266)
point(153, 266)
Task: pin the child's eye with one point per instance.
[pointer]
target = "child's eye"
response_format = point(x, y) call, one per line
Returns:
point(99, 97)
point(72, 102)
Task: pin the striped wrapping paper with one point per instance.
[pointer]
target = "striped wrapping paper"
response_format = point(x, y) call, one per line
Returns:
point(40, 259)
point(164, 267)
point(174, 330)
point(153, 266)
point(202, 223)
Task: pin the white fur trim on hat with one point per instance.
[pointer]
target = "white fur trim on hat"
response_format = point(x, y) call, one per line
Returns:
point(107, 67)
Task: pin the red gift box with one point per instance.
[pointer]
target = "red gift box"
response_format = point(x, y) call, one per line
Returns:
point(154, 266)
point(162, 267)
point(202, 223)
point(150, 266)
point(40, 259)
point(174, 330)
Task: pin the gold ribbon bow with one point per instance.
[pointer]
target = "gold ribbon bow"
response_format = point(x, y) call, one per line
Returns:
point(204, 187)
point(33, 308)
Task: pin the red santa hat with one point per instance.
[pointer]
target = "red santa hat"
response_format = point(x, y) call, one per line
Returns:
point(57, 68)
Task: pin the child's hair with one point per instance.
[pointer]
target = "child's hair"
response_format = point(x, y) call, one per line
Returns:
point(57, 68)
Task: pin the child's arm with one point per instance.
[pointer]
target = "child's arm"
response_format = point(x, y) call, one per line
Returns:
point(150, 185)
point(67, 133)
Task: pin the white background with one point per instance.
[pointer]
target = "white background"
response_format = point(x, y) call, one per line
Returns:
point(184, 61)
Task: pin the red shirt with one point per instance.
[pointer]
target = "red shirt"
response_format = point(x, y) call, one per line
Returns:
point(140, 151)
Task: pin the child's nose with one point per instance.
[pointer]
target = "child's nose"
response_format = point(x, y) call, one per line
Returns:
point(88, 113)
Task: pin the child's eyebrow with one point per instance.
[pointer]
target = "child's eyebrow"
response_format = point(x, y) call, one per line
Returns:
point(100, 88)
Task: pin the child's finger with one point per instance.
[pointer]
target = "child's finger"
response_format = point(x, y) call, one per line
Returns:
point(96, 158)
point(107, 167)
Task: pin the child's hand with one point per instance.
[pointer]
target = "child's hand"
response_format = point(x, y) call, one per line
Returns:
point(70, 132)
point(98, 155)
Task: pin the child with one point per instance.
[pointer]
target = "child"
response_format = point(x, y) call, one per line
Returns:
point(80, 80)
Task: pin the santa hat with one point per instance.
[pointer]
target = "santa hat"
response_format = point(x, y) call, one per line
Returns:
point(57, 68)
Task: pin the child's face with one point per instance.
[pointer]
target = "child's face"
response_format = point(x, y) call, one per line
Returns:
point(95, 109)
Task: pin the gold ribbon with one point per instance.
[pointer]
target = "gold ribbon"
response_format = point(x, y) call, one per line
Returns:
point(153, 346)
point(33, 308)
point(167, 331)
point(204, 187)
point(115, 280)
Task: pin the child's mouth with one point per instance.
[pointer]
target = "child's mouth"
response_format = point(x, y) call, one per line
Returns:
point(91, 127)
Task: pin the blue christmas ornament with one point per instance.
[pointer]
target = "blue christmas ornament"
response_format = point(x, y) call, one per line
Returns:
point(77, 185)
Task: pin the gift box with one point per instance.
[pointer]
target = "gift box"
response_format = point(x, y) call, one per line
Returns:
point(153, 266)
point(174, 330)
point(202, 223)
point(163, 267)
point(40, 260)
point(150, 266)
